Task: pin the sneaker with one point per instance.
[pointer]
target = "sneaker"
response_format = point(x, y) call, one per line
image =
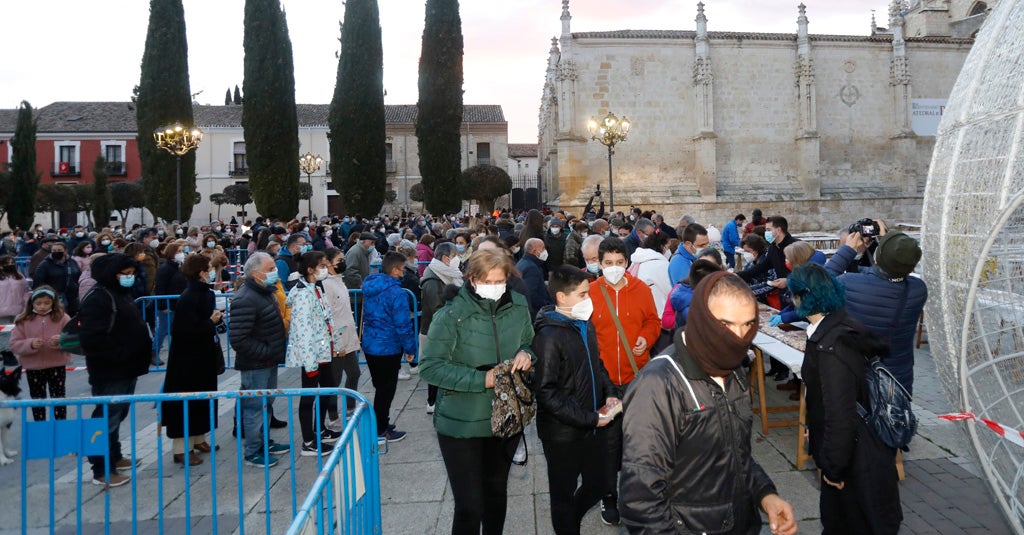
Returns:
point(257, 460)
point(275, 448)
point(116, 480)
point(430, 408)
point(415, 370)
point(391, 435)
point(328, 436)
point(125, 463)
point(277, 424)
point(403, 375)
point(609, 511)
point(309, 449)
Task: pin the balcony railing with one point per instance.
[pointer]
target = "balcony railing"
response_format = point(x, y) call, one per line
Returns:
point(391, 166)
point(65, 169)
point(237, 171)
point(484, 161)
point(117, 169)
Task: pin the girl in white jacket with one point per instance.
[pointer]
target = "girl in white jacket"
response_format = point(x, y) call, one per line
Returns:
point(650, 265)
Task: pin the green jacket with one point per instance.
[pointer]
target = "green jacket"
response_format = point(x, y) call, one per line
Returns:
point(459, 350)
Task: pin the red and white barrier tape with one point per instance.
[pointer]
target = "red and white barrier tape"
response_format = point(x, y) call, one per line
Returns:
point(1009, 433)
point(6, 328)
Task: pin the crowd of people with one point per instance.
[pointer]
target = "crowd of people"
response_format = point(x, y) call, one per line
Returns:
point(603, 313)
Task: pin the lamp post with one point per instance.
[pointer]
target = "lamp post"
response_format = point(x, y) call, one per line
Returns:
point(178, 140)
point(309, 165)
point(609, 131)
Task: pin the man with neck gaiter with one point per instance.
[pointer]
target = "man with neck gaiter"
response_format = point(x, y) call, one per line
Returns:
point(686, 464)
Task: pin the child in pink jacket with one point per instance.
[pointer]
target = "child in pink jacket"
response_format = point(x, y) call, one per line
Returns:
point(36, 342)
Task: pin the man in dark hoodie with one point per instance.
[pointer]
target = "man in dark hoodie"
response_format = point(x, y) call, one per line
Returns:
point(117, 346)
point(572, 386)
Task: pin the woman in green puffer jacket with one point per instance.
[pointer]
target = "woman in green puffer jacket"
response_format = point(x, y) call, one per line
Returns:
point(483, 325)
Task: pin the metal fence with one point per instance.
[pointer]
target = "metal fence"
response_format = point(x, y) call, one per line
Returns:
point(220, 494)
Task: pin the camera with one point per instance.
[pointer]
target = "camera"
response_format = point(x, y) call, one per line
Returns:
point(867, 228)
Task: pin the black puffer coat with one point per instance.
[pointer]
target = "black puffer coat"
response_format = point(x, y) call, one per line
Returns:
point(257, 331)
point(122, 350)
point(841, 443)
point(570, 383)
point(686, 463)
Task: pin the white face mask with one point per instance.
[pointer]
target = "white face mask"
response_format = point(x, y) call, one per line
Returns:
point(154, 243)
point(583, 234)
point(582, 310)
point(515, 250)
point(327, 234)
point(607, 233)
point(614, 274)
point(321, 273)
point(179, 258)
point(748, 257)
point(454, 262)
point(79, 234)
point(217, 229)
point(543, 256)
point(490, 291)
point(105, 242)
point(555, 231)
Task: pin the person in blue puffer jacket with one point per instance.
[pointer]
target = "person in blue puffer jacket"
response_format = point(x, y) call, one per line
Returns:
point(884, 297)
point(388, 334)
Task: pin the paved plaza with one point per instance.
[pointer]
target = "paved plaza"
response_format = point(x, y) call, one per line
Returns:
point(941, 494)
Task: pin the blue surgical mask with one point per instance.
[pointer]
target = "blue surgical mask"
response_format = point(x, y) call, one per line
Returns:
point(460, 248)
point(126, 281)
point(271, 279)
point(212, 276)
point(186, 249)
point(769, 237)
point(306, 248)
point(594, 268)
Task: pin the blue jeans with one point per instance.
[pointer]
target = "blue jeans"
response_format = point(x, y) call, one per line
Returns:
point(164, 318)
point(252, 407)
point(116, 413)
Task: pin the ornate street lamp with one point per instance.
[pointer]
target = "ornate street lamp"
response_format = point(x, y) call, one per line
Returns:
point(610, 131)
point(178, 140)
point(309, 165)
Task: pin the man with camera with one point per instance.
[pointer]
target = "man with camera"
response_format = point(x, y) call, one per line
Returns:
point(870, 230)
point(884, 297)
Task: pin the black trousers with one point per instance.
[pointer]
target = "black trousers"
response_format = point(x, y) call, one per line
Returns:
point(39, 381)
point(384, 374)
point(567, 461)
point(308, 405)
point(116, 413)
point(349, 366)
point(613, 438)
point(478, 472)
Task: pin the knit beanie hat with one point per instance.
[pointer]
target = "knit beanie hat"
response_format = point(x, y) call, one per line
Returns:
point(897, 254)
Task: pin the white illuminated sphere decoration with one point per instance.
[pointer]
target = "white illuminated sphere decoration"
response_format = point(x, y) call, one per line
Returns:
point(973, 242)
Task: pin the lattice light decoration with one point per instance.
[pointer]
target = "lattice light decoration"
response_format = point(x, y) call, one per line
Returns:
point(973, 237)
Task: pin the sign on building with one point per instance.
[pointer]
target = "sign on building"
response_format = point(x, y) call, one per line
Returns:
point(926, 114)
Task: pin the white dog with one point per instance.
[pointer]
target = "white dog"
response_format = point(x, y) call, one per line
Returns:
point(9, 390)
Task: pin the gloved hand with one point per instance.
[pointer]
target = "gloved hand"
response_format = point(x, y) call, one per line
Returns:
point(775, 320)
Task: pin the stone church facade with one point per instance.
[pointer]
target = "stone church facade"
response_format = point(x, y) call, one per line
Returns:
point(823, 128)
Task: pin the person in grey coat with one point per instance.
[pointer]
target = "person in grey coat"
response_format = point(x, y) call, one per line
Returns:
point(357, 261)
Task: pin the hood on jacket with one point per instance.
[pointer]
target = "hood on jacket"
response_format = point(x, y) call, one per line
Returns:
point(379, 283)
point(105, 269)
point(646, 255)
point(548, 316)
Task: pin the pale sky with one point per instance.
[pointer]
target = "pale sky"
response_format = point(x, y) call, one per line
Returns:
point(70, 50)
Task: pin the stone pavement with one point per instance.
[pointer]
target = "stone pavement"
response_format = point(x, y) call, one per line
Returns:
point(942, 493)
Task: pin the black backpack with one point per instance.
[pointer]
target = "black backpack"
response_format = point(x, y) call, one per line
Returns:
point(69, 335)
point(890, 415)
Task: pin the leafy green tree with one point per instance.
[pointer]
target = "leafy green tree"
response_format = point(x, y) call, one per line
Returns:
point(238, 195)
point(269, 116)
point(83, 199)
point(5, 195)
point(305, 191)
point(21, 206)
point(485, 183)
point(100, 193)
point(164, 98)
point(126, 195)
point(416, 192)
point(54, 198)
point(219, 199)
point(390, 196)
point(440, 105)
point(356, 120)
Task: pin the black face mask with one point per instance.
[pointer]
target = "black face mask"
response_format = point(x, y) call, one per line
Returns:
point(10, 268)
point(57, 255)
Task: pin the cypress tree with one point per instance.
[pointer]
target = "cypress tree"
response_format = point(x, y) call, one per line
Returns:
point(238, 96)
point(227, 97)
point(440, 106)
point(21, 205)
point(101, 204)
point(356, 120)
point(269, 116)
point(164, 99)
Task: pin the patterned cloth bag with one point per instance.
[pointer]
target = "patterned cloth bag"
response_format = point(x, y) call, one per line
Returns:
point(514, 404)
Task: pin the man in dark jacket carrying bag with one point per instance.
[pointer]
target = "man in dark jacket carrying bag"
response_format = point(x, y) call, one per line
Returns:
point(117, 349)
point(572, 386)
point(686, 463)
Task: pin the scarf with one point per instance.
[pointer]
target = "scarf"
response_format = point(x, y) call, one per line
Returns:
point(446, 273)
point(715, 348)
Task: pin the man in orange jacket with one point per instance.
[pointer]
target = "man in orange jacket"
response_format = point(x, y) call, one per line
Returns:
point(619, 294)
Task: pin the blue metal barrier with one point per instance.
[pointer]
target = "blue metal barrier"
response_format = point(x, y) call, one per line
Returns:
point(23, 262)
point(202, 497)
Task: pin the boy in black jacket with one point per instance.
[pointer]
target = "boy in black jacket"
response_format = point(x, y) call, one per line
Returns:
point(572, 386)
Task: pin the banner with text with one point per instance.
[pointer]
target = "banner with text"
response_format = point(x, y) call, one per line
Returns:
point(926, 114)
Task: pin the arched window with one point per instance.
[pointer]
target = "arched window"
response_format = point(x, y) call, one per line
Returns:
point(977, 9)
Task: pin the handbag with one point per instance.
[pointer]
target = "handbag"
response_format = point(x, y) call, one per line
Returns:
point(618, 327)
point(514, 404)
point(221, 364)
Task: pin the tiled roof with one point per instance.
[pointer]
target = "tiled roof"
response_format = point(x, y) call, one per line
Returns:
point(757, 36)
point(522, 150)
point(85, 117)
